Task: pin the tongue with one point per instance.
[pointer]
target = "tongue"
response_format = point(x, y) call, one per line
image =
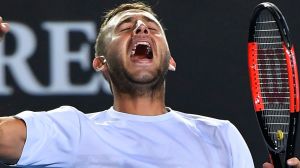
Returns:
point(139, 57)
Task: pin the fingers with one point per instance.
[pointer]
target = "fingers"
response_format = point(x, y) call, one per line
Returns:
point(294, 162)
point(291, 162)
point(4, 27)
point(267, 165)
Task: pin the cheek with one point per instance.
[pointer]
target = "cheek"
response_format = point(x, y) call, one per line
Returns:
point(163, 43)
point(164, 49)
point(116, 53)
point(116, 47)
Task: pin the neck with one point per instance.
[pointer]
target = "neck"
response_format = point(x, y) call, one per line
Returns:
point(148, 105)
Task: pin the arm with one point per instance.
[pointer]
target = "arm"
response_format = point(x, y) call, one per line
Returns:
point(291, 162)
point(12, 130)
point(12, 139)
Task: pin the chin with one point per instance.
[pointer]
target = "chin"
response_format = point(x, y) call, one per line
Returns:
point(143, 78)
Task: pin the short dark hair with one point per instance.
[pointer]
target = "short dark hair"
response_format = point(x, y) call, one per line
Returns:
point(100, 46)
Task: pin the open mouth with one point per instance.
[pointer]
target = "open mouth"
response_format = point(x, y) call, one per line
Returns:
point(141, 51)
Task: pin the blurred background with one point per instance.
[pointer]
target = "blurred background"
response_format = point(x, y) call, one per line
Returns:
point(45, 60)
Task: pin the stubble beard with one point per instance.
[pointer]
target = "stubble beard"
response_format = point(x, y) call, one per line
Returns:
point(125, 83)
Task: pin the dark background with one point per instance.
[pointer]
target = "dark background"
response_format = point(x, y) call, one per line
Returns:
point(207, 38)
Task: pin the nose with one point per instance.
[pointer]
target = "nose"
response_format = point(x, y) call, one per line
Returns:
point(140, 28)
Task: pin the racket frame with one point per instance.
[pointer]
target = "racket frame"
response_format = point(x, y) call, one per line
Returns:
point(282, 154)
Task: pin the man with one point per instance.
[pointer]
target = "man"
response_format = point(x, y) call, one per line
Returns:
point(138, 130)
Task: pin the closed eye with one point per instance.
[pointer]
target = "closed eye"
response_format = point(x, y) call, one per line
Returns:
point(151, 28)
point(125, 29)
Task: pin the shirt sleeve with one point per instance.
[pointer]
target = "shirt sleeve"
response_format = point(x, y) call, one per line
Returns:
point(240, 153)
point(51, 138)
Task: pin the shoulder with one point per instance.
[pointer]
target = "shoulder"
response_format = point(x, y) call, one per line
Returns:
point(62, 110)
point(62, 115)
point(212, 130)
point(65, 108)
point(203, 121)
point(66, 111)
point(57, 130)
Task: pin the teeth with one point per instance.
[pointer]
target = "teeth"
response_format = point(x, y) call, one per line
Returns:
point(148, 50)
point(141, 43)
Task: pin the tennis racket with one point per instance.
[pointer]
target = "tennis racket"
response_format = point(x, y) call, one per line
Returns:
point(274, 81)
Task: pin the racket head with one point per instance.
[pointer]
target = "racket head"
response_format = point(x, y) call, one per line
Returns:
point(276, 15)
point(273, 78)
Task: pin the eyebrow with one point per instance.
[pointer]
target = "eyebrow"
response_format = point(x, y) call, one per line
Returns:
point(131, 18)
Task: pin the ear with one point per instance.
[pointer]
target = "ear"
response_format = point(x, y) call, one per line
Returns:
point(172, 64)
point(99, 63)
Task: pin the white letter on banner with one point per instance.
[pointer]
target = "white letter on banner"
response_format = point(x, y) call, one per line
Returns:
point(61, 57)
point(17, 62)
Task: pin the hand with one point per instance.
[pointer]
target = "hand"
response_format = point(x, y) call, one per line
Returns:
point(4, 28)
point(291, 162)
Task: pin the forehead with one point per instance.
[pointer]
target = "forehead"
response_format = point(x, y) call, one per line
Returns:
point(133, 13)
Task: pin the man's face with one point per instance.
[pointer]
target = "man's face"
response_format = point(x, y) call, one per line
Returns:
point(136, 48)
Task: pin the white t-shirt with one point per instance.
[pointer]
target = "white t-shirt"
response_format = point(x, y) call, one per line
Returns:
point(65, 137)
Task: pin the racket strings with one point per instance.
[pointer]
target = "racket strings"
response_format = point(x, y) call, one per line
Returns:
point(273, 78)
